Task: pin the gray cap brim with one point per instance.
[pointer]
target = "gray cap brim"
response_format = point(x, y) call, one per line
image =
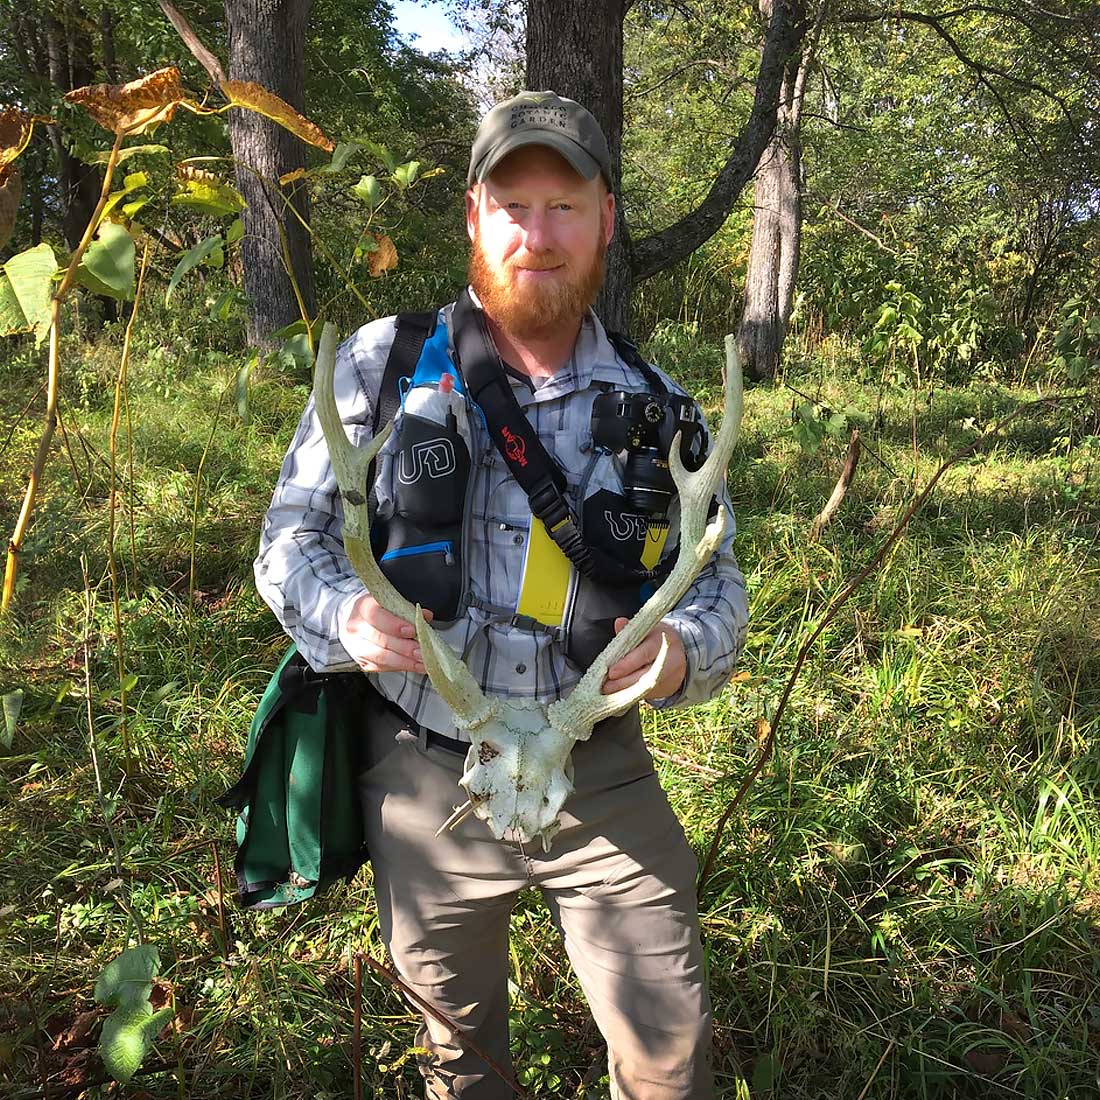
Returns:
point(584, 164)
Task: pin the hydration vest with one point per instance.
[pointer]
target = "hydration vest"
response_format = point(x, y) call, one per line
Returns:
point(421, 538)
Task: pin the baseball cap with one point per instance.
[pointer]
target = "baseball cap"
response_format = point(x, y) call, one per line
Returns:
point(540, 118)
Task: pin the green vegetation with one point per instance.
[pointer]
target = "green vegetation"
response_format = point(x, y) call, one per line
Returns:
point(906, 902)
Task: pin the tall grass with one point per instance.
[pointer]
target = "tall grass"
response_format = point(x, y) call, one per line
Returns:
point(905, 907)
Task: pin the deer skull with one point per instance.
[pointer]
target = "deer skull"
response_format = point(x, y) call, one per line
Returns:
point(518, 772)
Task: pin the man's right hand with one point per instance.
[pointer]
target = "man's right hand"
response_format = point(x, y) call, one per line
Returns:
point(380, 642)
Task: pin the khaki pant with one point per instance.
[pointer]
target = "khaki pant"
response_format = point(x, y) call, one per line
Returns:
point(619, 881)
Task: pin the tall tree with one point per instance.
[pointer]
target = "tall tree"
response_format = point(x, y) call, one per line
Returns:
point(777, 224)
point(267, 40)
point(575, 47)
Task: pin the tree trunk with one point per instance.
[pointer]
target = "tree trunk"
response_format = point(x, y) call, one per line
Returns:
point(575, 48)
point(79, 183)
point(776, 228)
point(267, 46)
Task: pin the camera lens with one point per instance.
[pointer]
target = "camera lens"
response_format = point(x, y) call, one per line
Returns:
point(647, 482)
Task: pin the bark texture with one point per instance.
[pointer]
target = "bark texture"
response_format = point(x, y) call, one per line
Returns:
point(776, 226)
point(575, 48)
point(267, 46)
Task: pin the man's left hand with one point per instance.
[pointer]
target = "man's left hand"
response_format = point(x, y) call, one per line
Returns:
point(631, 668)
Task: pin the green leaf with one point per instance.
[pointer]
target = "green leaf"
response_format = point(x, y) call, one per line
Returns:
point(222, 308)
point(405, 175)
point(211, 196)
point(343, 152)
point(837, 425)
point(129, 682)
point(108, 265)
point(369, 190)
point(26, 289)
point(764, 1073)
point(241, 389)
point(128, 978)
point(102, 156)
point(191, 259)
point(380, 152)
point(135, 181)
point(235, 231)
point(128, 1035)
point(13, 704)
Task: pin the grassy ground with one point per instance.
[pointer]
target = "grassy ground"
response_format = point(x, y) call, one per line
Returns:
point(906, 906)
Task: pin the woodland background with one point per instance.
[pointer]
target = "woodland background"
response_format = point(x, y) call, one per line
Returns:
point(896, 209)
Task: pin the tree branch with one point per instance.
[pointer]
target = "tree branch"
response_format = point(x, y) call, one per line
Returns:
point(786, 29)
point(191, 40)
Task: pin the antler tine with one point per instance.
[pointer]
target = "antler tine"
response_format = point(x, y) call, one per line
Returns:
point(698, 540)
point(350, 464)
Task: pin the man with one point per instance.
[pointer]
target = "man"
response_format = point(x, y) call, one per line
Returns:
point(619, 876)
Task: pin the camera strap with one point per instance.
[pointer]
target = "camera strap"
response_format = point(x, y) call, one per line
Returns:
point(538, 475)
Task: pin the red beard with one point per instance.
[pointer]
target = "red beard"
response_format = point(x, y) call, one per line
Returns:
point(528, 310)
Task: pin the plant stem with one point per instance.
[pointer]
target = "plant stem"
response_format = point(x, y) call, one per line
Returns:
point(15, 546)
point(120, 384)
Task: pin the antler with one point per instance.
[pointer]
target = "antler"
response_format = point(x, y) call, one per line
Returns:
point(577, 714)
point(449, 676)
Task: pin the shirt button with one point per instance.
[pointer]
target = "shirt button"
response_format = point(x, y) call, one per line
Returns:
point(521, 668)
point(517, 539)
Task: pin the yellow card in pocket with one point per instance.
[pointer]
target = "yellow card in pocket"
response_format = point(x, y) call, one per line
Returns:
point(545, 585)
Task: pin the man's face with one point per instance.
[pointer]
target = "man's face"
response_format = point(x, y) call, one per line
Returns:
point(539, 233)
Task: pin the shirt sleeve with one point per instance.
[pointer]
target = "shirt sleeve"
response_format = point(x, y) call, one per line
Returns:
point(711, 619)
point(302, 572)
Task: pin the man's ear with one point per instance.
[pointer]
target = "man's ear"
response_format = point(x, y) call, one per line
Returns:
point(608, 216)
point(471, 211)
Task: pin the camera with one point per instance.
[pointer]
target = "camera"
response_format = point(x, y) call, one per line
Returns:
point(644, 426)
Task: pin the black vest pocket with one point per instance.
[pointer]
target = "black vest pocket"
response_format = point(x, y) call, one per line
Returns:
point(419, 548)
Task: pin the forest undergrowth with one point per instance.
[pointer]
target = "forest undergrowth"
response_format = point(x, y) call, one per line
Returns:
point(906, 905)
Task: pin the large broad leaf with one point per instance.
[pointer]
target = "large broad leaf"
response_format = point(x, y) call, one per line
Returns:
point(191, 259)
point(101, 156)
point(26, 288)
point(244, 93)
point(204, 191)
point(128, 1035)
point(128, 978)
point(108, 265)
point(13, 705)
point(130, 108)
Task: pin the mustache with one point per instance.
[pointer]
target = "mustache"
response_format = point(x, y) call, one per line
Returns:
point(545, 262)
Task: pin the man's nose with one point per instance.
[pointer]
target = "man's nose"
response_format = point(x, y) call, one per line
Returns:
point(536, 232)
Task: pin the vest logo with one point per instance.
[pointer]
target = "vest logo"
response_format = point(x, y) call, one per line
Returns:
point(626, 526)
point(514, 447)
point(434, 457)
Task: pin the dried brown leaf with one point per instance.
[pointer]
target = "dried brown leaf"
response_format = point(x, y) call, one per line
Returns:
point(15, 132)
point(290, 177)
point(129, 108)
point(10, 190)
point(763, 731)
point(383, 258)
point(244, 93)
point(75, 1034)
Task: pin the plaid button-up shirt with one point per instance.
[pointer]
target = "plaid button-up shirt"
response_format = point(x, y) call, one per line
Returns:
point(305, 577)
